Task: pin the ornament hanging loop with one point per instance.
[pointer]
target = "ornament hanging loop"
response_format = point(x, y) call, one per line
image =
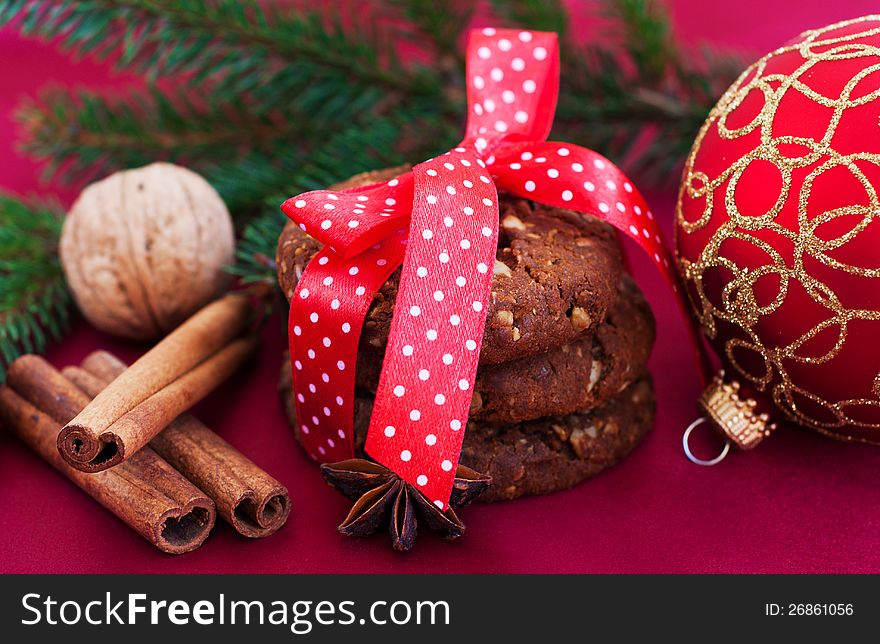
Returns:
point(685, 443)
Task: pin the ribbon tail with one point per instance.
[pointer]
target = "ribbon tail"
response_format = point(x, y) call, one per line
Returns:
point(430, 366)
point(326, 317)
point(570, 176)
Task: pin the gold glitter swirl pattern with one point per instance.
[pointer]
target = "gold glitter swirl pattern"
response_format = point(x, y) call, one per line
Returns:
point(800, 161)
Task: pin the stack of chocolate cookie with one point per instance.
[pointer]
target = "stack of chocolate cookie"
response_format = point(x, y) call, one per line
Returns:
point(562, 391)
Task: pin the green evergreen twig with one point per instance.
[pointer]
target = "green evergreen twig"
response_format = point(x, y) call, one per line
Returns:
point(266, 101)
point(543, 15)
point(233, 39)
point(34, 301)
point(347, 153)
point(89, 134)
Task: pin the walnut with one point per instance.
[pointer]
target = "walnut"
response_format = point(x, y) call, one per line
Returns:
point(476, 403)
point(501, 268)
point(512, 222)
point(144, 249)
point(579, 443)
point(595, 374)
point(580, 319)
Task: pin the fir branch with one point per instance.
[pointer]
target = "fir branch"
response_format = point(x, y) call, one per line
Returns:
point(542, 15)
point(255, 251)
point(647, 99)
point(272, 102)
point(33, 298)
point(276, 59)
point(646, 35)
point(637, 99)
point(234, 39)
point(88, 134)
point(438, 23)
point(345, 154)
point(246, 155)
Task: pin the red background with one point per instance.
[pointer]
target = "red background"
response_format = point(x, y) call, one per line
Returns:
point(800, 503)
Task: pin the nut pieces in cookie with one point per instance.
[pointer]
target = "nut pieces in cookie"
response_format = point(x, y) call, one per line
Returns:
point(382, 497)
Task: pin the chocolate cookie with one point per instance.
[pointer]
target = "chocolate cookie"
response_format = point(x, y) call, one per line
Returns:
point(538, 456)
point(581, 375)
point(556, 453)
point(555, 277)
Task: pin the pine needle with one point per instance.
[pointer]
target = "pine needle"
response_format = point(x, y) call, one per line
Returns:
point(268, 100)
point(34, 301)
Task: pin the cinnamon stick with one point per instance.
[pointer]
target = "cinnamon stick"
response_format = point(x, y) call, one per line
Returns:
point(254, 503)
point(145, 492)
point(181, 369)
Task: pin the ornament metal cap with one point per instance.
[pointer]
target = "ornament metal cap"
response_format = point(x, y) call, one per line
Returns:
point(734, 413)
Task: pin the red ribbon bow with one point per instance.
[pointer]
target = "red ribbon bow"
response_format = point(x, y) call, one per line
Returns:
point(441, 222)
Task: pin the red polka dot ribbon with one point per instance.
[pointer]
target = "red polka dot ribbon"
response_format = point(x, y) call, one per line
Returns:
point(440, 221)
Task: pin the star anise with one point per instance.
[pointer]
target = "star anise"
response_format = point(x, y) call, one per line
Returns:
point(381, 497)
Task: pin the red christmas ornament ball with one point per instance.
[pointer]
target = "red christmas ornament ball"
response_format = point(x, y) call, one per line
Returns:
point(778, 230)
